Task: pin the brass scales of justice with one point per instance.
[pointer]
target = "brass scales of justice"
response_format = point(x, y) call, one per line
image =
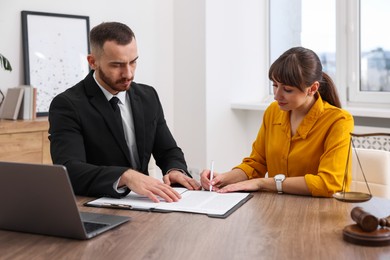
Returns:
point(368, 230)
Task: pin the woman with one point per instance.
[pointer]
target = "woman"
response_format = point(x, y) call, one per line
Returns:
point(303, 143)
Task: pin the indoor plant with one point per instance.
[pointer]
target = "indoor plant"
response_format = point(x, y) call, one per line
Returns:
point(4, 63)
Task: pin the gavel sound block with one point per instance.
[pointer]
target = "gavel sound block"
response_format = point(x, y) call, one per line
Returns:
point(368, 230)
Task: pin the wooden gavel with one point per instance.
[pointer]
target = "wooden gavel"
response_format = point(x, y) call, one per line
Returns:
point(368, 222)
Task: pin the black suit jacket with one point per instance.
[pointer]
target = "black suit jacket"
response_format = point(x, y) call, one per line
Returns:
point(85, 137)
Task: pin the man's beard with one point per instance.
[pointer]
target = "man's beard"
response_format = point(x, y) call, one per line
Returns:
point(112, 84)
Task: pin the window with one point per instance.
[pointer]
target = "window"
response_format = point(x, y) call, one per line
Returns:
point(371, 45)
point(300, 23)
point(351, 34)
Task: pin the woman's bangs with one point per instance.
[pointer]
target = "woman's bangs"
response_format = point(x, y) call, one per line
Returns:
point(286, 73)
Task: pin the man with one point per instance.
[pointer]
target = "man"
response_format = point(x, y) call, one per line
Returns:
point(105, 156)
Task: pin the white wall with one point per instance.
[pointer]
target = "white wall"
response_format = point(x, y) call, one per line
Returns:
point(200, 56)
point(189, 80)
point(219, 49)
point(236, 70)
point(151, 20)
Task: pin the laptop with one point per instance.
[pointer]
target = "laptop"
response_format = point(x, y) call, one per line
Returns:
point(37, 198)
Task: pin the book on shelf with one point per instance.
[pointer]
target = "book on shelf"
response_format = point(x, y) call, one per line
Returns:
point(28, 107)
point(12, 102)
point(20, 103)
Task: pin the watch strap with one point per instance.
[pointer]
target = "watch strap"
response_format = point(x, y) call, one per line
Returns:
point(279, 186)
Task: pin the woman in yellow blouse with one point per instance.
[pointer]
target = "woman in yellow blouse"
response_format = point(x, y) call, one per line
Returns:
point(303, 143)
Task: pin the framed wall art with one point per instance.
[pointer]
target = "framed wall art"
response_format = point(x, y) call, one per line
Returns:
point(55, 49)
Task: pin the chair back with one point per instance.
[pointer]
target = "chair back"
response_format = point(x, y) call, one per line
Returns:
point(371, 158)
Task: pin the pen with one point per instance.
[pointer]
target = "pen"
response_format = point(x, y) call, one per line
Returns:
point(211, 174)
point(117, 206)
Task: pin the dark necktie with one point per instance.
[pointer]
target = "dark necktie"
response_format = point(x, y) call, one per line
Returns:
point(133, 150)
point(114, 104)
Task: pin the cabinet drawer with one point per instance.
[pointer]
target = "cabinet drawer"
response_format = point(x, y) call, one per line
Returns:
point(21, 147)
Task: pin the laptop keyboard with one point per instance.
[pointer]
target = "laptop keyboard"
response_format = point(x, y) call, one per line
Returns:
point(92, 226)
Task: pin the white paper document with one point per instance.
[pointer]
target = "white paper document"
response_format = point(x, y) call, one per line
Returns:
point(204, 202)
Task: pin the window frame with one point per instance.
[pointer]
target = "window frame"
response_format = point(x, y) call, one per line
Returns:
point(347, 77)
point(355, 96)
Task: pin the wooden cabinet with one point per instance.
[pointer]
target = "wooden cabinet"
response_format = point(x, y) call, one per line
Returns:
point(25, 141)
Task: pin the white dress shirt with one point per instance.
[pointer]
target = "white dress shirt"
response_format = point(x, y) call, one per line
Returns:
point(127, 122)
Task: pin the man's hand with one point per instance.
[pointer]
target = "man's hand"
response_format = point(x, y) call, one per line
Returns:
point(148, 186)
point(178, 177)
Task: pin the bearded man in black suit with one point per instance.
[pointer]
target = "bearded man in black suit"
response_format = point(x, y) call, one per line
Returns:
point(109, 157)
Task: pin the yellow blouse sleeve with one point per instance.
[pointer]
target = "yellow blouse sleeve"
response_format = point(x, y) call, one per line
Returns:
point(332, 166)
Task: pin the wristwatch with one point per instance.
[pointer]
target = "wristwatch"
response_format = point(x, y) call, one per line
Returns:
point(278, 180)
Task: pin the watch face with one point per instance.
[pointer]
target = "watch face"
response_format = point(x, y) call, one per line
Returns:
point(280, 177)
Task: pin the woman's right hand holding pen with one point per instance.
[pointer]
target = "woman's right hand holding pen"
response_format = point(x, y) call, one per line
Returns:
point(221, 179)
point(207, 183)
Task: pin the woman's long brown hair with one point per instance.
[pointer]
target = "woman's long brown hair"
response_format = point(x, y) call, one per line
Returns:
point(300, 67)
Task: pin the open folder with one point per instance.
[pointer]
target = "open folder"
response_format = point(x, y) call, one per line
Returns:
point(213, 204)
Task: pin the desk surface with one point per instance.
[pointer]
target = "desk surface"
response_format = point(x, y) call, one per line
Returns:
point(269, 226)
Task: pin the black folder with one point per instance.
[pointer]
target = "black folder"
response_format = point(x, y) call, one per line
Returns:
point(212, 204)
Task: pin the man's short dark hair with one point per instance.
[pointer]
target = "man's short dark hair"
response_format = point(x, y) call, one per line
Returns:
point(110, 31)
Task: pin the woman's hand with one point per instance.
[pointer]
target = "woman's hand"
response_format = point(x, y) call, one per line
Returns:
point(216, 182)
point(221, 179)
point(248, 185)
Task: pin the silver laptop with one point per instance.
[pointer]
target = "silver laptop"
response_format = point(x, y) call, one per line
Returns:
point(39, 199)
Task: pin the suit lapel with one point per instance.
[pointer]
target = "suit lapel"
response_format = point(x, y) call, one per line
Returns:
point(101, 104)
point(139, 123)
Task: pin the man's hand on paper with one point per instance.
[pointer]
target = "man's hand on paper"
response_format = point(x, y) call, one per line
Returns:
point(178, 177)
point(148, 186)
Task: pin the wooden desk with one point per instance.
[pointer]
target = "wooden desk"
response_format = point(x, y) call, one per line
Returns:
point(269, 226)
point(25, 141)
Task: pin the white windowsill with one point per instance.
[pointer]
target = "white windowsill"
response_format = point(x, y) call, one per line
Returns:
point(253, 106)
point(369, 112)
point(354, 110)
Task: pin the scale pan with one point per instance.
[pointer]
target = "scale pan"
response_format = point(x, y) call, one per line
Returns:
point(352, 196)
